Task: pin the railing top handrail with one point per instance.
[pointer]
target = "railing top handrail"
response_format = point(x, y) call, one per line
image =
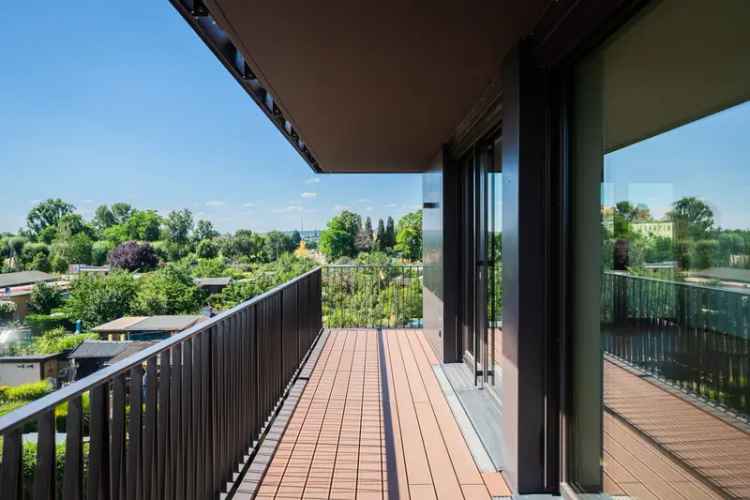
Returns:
point(50, 401)
point(623, 274)
point(372, 265)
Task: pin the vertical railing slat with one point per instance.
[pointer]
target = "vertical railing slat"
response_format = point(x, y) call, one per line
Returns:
point(44, 475)
point(12, 479)
point(134, 478)
point(73, 471)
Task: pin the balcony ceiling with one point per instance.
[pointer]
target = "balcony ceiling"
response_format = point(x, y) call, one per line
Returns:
point(375, 86)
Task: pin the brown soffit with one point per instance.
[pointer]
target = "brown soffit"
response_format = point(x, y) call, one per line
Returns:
point(364, 86)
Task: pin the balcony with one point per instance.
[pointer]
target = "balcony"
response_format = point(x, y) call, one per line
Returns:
point(264, 402)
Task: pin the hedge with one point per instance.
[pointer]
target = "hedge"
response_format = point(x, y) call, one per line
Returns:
point(40, 323)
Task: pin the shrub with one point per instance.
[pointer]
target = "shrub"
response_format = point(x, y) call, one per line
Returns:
point(207, 249)
point(45, 297)
point(170, 290)
point(134, 256)
point(100, 251)
point(7, 310)
point(98, 299)
point(40, 323)
point(28, 392)
point(58, 340)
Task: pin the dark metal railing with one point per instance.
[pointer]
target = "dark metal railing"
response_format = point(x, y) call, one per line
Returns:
point(372, 296)
point(173, 421)
point(694, 337)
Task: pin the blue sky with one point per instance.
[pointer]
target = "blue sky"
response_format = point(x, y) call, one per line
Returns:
point(708, 158)
point(120, 101)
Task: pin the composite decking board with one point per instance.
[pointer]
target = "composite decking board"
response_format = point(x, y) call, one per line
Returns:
point(714, 449)
point(443, 475)
point(401, 476)
point(458, 449)
point(415, 457)
point(334, 445)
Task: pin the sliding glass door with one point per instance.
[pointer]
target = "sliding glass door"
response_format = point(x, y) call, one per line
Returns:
point(482, 263)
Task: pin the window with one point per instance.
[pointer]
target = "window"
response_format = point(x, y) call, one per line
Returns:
point(661, 316)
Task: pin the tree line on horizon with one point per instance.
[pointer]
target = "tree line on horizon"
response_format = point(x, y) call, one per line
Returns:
point(697, 242)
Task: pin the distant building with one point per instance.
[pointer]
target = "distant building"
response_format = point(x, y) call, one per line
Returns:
point(86, 268)
point(147, 327)
point(16, 370)
point(93, 355)
point(212, 285)
point(654, 229)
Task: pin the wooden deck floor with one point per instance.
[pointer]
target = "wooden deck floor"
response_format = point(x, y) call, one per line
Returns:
point(373, 423)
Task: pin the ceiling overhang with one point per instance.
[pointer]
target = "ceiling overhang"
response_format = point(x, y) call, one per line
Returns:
point(363, 86)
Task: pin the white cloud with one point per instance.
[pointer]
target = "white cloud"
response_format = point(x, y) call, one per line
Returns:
point(391, 205)
point(339, 208)
point(249, 204)
point(369, 209)
point(215, 203)
point(88, 202)
point(313, 180)
point(309, 195)
point(288, 209)
point(364, 200)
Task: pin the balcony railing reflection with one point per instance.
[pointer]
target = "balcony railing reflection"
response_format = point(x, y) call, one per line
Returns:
point(694, 337)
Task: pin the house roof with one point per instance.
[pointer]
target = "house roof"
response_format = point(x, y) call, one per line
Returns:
point(131, 348)
point(24, 278)
point(98, 349)
point(119, 324)
point(365, 86)
point(172, 323)
point(111, 350)
point(201, 282)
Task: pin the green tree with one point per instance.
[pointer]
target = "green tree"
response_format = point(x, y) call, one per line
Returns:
point(44, 298)
point(278, 243)
point(36, 256)
point(704, 254)
point(244, 243)
point(409, 236)
point(143, 225)
point(204, 230)
point(210, 268)
point(121, 211)
point(363, 240)
point(179, 223)
point(47, 213)
point(337, 239)
point(116, 234)
point(380, 237)
point(170, 290)
point(390, 233)
point(99, 299)
point(692, 218)
point(207, 249)
point(100, 251)
point(74, 250)
point(104, 218)
point(295, 238)
point(71, 225)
